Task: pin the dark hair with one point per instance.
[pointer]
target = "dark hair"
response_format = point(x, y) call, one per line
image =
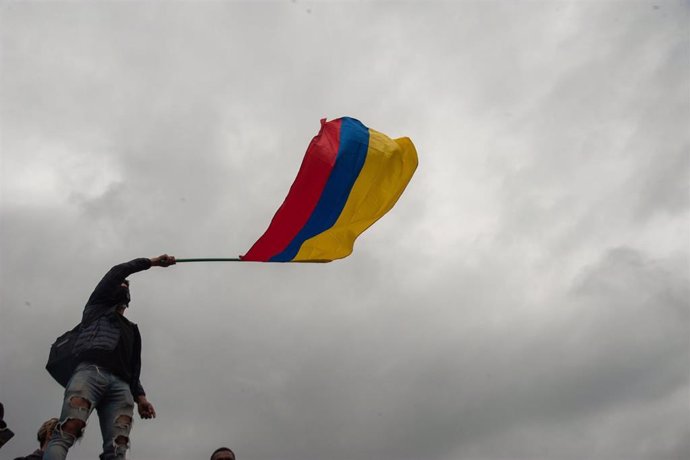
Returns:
point(221, 449)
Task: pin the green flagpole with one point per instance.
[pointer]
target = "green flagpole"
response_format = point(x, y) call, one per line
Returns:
point(225, 259)
point(209, 260)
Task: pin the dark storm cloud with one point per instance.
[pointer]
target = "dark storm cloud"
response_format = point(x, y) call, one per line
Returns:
point(527, 297)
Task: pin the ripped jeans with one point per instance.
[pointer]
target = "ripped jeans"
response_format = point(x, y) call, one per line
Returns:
point(96, 388)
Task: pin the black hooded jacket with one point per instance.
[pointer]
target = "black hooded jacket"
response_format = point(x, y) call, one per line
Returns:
point(107, 338)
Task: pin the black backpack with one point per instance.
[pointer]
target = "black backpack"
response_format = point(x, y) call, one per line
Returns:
point(61, 361)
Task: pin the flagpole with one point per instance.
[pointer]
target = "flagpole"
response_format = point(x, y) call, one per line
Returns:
point(209, 260)
point(225, 259)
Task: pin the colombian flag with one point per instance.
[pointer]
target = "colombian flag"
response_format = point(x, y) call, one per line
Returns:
point(350, 177)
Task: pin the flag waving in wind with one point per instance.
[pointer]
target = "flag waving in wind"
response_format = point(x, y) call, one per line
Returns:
point(350, 177)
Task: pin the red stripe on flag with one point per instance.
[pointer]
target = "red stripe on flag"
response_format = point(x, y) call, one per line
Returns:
point(303, 196)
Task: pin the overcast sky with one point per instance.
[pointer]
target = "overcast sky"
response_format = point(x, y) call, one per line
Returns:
point(528, 298)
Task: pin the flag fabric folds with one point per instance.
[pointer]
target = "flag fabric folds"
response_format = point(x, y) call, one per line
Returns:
point(350, 177)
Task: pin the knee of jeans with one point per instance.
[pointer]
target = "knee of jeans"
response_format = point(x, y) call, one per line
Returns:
point(121, 428)
point(121, 444)
point(75, 418)
point(70, 428)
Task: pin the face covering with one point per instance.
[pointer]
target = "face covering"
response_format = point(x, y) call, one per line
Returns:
point(121, 296)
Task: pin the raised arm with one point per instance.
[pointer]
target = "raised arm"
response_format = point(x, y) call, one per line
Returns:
point(105, 293)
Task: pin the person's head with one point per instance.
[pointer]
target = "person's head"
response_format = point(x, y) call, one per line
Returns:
point(46, 430)
point(121, 297)
point(223, 453)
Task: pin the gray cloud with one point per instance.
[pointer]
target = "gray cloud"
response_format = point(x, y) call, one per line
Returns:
point(526, 299)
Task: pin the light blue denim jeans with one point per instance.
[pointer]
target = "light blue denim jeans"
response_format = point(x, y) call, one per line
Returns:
point(112, 399)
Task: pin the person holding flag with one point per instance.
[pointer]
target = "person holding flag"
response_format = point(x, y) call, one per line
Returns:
point(108, 347)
